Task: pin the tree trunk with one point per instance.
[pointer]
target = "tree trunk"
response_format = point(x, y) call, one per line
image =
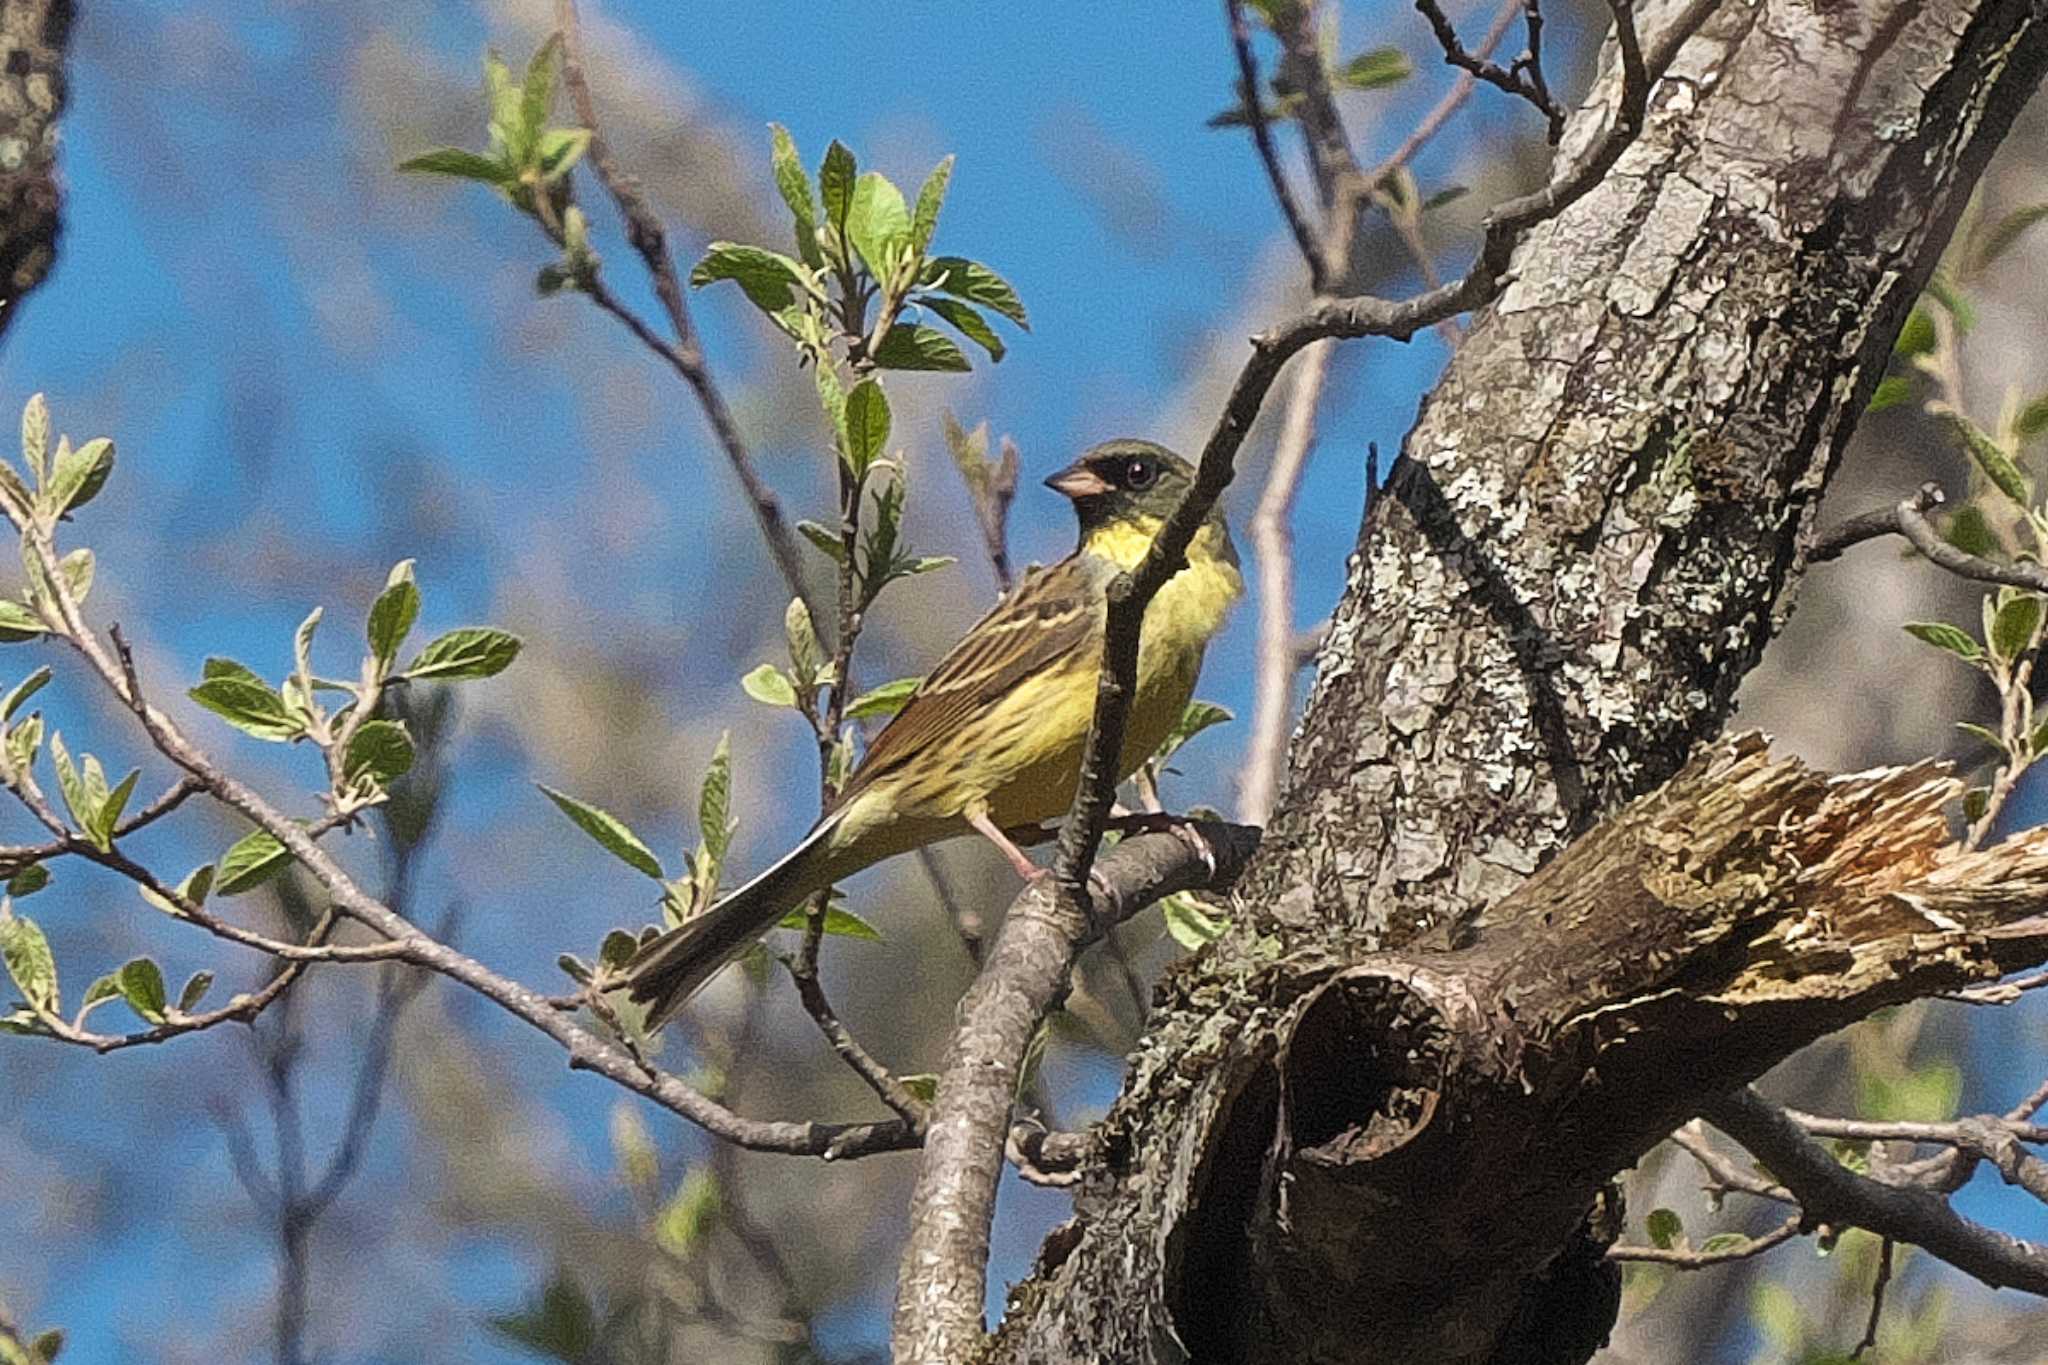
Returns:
point(1332, 1149)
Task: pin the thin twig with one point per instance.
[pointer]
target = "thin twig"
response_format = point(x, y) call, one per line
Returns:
point(1461, 90)
point(686, 354)
point(1685, 1258)
point(1518, 80)
point(1878, 1285)
point(1269, 155)
point(1830, 1192)
point(879, 1078)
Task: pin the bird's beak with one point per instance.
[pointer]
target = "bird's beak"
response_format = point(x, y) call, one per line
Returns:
point(1078, 481)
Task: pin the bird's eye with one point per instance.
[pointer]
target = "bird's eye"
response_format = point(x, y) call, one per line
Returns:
point(1140, 474)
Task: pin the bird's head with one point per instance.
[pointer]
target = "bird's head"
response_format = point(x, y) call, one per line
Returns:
point(1124, 483)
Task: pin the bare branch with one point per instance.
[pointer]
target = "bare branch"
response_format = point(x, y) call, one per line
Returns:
point(1269, 155)
point(1685, 1258)
point(1277, 659)
point(1878, 1285)
point(686, 354)
point(945, 1263)
point(1909, 519)
point(1461, 90)
point(804, 972)
point(1524, 80)
point(1831, 1192)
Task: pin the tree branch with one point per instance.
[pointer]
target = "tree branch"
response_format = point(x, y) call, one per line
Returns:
point(945, 1263)
point(1831, 1192)
point(686, 354)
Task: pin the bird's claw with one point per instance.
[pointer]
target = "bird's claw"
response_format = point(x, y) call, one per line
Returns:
point(1164, 822)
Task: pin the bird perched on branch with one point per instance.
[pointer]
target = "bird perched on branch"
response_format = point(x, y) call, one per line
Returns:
point(992, 740)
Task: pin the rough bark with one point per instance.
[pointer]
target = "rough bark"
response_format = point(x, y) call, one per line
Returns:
point(1591, 534)
point(33, 35)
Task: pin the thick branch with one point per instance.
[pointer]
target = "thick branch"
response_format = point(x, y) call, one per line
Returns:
point(938, 1301)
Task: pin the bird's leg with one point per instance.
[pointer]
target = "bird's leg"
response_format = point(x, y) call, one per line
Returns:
point(988, 829)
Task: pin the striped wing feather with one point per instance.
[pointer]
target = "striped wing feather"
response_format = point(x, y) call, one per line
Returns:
point(1053, 613)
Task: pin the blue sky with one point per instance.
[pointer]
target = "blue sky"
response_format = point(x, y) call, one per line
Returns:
point(296, 348)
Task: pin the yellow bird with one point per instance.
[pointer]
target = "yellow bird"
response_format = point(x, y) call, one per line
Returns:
point(992, 740)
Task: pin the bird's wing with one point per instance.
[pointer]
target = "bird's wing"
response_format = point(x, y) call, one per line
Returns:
point(1052, 613)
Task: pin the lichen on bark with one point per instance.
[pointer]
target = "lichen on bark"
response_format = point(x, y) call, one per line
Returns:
point(1592, 531)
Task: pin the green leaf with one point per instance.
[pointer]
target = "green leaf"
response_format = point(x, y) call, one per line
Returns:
point(616, 950)
point(1722, 1241)
point(471, 652)
point(1942, 635)
point(1976, 801)
point(252, 706)
point(1924, 1094)
point(1450, 194)
point(795, 188)
point(2012, 630)
point(885, 700)
point(252, 860)
point(1958, 305)
point(806, 656)
point(610, 832)
point(1191, 923)
point(770, 686)
point(924, 221)
point(560, 149)
point(35, 437)
point(1917, 337)
point(194, 889)
point(228, 668)
point(908, 347)
point(715, 824)
point(29, 960)
point(102, 989)
point(825, 539)
point(835, 184)
point(2008, 230)
point(1375, 70)
point(454, 161)
point(47, 1346)
point(1195, 717)
point(537, 91)
point(878, 223)
point(1969, 530)
point(1984, 733)
point(838, 924)
point(392, 615)
point(562, 1326)
point(18, 623)
point(23, 690)
point(2032, 419)
point(968, 323)
point(24, 740)
point(381, 750)
point(680, 1226)
point(80, 475)
point(1997, 465)
point(77, 569)
point(107, 815)
point(77, 799)
point(195, 991)
point(1892, 391)
point(578, 970)
point(923, 1085)
point(1664, 1227)
point(867, 423)
point(976, 283)
point(35, 877)
point(769, 279)
point(142, 986)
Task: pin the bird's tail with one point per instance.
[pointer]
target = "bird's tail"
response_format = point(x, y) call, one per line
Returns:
point(668, 971)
